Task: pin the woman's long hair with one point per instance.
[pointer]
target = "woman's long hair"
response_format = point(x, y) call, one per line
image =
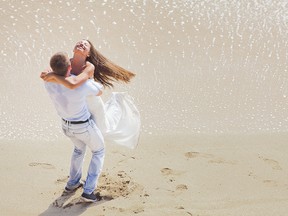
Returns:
point(106, 71)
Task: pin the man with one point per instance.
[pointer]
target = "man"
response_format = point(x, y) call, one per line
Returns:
point(78, 126)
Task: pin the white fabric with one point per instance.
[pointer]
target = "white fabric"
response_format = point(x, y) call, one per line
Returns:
point(71, 104)
point(118, 119)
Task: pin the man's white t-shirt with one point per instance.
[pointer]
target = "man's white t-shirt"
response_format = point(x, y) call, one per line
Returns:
point(71, 103)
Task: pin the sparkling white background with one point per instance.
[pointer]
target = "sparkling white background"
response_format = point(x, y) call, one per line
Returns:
point(208, 67)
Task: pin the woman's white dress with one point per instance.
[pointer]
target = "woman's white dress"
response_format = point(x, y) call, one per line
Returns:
point(118, 118)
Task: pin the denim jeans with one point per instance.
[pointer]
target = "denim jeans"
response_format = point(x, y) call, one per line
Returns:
point(82, 135)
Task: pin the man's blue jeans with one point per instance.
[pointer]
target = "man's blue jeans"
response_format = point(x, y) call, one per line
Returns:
point(82, 135)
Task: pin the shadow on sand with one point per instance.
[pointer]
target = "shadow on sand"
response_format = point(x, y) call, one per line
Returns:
point(68, 205)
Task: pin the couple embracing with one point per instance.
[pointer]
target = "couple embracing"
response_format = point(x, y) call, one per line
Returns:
point(70, 83)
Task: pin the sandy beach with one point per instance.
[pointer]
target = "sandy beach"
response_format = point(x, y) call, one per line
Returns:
point(211, 86)
point(207, 175)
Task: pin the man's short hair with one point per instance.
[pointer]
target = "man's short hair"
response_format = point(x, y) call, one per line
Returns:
point(60, 63)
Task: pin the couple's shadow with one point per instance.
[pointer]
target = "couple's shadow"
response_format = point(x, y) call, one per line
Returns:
point(69, 205)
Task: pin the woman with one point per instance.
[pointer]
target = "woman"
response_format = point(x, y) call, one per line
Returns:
point(87, 62)
point(118, 118)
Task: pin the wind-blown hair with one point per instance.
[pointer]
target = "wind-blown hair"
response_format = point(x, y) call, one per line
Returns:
point(107, 72)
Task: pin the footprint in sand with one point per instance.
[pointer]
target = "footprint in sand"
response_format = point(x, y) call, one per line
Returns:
point(62, 180)
point(182, 208)
point(271, 183)
point(42, 165)
point(128, 211)
point(212, 158)
point(137, 209)
point(221, 161)
point(167, 171)
point(197, 154)
point(267, 182)
point(181, 187)
point(273, 163)
point(170, 174)
point(67, 201)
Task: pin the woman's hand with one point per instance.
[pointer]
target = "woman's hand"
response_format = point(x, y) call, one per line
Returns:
point(47, 75)
point(43, 74)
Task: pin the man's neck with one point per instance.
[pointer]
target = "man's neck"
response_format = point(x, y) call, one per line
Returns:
point(78, 62)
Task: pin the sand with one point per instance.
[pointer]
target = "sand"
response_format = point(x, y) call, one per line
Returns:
point(203, 67)
point(194, 175)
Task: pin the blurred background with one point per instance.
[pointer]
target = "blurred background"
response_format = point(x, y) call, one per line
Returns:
point(203, 67)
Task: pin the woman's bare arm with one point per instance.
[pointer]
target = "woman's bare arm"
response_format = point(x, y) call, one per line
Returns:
point(71, 82)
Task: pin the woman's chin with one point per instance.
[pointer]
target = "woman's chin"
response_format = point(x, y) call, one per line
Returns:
point(78, 51)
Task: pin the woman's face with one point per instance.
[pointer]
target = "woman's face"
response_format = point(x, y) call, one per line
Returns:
point(83, 47)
